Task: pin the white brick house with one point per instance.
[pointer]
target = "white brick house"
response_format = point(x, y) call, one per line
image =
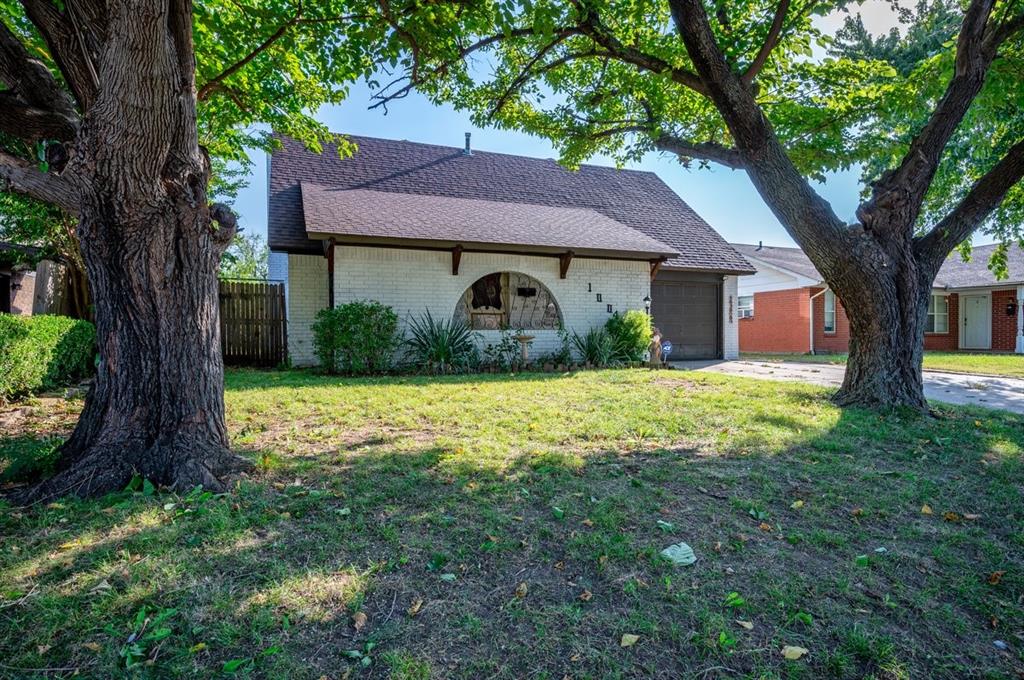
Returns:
point(498, 240)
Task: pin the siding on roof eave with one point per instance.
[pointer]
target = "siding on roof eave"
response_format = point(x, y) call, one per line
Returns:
point(801, 280)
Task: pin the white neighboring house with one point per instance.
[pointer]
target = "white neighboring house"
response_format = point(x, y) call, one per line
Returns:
point(498, 240)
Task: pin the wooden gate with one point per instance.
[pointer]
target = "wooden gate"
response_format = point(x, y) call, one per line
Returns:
point(253, 328)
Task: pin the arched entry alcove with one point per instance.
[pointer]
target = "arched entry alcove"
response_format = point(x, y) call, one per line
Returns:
point(508, 300)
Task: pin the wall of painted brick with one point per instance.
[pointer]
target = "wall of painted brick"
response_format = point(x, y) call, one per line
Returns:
point(414, 281)
point(306, 294)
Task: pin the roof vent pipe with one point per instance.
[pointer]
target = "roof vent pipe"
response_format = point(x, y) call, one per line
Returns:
point(760, 244)
point(467, 151)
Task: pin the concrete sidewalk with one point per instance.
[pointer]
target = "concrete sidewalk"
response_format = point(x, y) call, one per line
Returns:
point(953, 388)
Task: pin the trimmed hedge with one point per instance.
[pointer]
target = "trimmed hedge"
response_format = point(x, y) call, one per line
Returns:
point(357, 338)
point(631, 333)
point(43, 352)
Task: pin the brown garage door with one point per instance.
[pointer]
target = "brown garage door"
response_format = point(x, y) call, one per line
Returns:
point(687, 310)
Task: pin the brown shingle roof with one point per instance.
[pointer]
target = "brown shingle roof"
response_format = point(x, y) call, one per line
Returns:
point(469, 221)
point(639, 200)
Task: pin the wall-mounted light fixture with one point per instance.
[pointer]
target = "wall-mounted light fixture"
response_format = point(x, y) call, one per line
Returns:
point(1011, 308)
point(647, 304)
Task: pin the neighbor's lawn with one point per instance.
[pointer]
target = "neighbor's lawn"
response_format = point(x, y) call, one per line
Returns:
point(1011, 365)
point(510, 527)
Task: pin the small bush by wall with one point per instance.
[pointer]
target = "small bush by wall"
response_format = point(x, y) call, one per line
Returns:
point(43, 352)
point(358, 337)
point(630, 333)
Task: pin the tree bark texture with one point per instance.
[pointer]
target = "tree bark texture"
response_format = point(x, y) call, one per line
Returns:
point(151, 245)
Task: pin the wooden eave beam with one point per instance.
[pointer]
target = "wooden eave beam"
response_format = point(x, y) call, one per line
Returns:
point(563, 263)
point(656, 266)
point(456, 259)
point(329, 245)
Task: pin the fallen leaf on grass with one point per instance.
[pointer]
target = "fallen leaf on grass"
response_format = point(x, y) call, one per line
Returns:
point(857, 512)
point(414, 608)
point(521, 590)
point(197, 647)
point(996, 577)
point(926, 509)
point(587, 522)
point(92, 646)
point(971, 516)
point(764, 526)
point(951, 516)
point(745, 624)
point(358, 621)
point(793, 652)
point(42, 649)
point(628, 640)
point(796, 505)
point(586, 596)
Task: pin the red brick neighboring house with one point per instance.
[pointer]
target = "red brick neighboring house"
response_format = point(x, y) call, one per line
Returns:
point(787, 308)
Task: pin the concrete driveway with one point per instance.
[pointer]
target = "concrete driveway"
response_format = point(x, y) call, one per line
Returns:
point(952, 388)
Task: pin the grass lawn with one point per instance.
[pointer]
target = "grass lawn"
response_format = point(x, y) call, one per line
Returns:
point(510, 527)
point(1010, 365)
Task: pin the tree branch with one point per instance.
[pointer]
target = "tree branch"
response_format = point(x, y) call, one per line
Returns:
point(802, 211)
point(211, 85)
point(30, 78)
point(592, 27)
point(414, 78)
point(69, 45)
point(528, 73)
point(984, 197)
point(709, 151)
point(25, 178)
point(21, 120)
point(227, 225)
point(774, 33)
point(897, 196)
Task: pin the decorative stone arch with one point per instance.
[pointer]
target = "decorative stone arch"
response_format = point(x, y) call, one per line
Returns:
point(508, 300)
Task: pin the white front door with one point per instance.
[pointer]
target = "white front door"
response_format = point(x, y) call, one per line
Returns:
point(977, 321)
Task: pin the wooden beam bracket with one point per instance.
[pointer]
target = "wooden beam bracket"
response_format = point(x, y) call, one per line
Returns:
point(656, 266)
point(563, 263)
point(329, 245)
point(456, 259)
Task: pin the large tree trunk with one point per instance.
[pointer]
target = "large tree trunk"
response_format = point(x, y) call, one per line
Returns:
point(886, 343)
point(151, 249)
point(156, 408)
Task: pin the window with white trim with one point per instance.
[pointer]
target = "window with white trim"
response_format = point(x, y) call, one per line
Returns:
point(938, 315)
point(745, 306)
point(830, 312)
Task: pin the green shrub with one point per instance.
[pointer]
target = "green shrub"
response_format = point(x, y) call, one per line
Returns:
point(631, 333)
point(441, 346)
point(597, 347)
point(357, 337)
point(43, 352)
point(505, 354)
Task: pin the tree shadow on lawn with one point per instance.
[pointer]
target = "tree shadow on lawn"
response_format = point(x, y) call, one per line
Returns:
point(431, 544)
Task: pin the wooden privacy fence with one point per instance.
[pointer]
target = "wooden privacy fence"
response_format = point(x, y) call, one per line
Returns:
point(252, 323)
